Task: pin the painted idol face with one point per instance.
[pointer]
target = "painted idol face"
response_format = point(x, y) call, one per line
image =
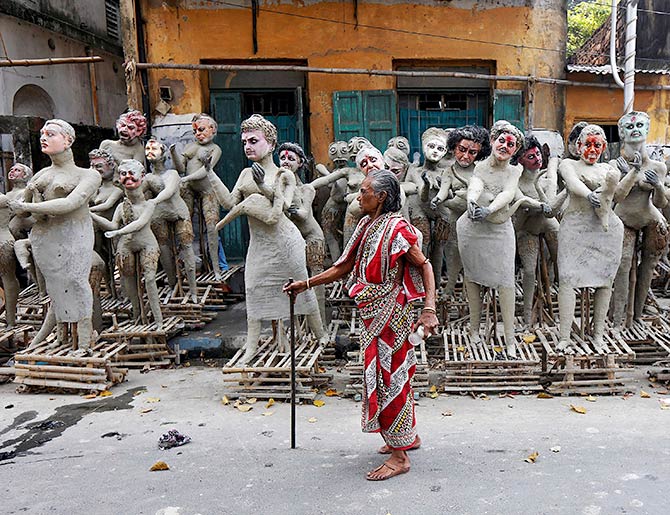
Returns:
point(435, 149)
point(256, 146)
point(204, 131)
point(634, 128)
point(531, 159)
point(504, 146)
point(591, 147)
point(289, 159)
point(53, 140)
point(466, 151)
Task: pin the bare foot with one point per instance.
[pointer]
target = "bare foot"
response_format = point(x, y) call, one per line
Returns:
point(385, 449)
point(394, 466)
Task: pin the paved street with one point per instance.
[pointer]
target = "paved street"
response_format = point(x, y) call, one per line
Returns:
point(55, 457)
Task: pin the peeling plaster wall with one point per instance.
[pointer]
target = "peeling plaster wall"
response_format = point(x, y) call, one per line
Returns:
point(68, 84)
point(323, 34)
point(606, 105)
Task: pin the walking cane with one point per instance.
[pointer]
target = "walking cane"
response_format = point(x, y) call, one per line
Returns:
point(292, 315)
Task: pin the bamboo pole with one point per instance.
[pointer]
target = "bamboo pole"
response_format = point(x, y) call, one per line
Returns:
point(50, 61)
point(388, 73)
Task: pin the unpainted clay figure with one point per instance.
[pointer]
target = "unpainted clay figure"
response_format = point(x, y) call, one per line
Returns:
point(354, 179)
point(402, 144)
point(104, 204)
point(398, 164)
point(8, 262)
point(62, 237)
point(276, 249)
point(195, 185)
point(485, 232)
point(532, 223)
point(130, 127)
point(467, 144)
point(132, 224)
point(292, 157)
point(590, 236)
point(20, 225)
point(431, 222)
point(332, 214)
point(18, 176)
point(171, 212)
point(639, 199)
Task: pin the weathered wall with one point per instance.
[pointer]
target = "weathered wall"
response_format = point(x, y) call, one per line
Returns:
point(605, 106)
point(323, 34)
point(68, 85)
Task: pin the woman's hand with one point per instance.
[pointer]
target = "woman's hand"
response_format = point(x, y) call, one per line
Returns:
point(428, 320)
point(295, 287)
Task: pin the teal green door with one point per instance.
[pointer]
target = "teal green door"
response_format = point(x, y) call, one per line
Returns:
point(371, 114)
point(508, 105)
point(227, 111)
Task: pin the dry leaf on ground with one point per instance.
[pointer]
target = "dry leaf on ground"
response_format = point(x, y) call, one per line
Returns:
point(544, 395)
point(152, 399)
point(578, 409)
point(106, 393)
point(244, 407)
point(318, 403)
point(331, 392)
point(253, 400)
point(270, 403)
point(528, 338)
point(447, 413)
point(590, 398)
point(146, 410)
point(90, 396)
point(644, 395)
point(225, 401)
point(311, 420)
point(532, 457)
point(159, 465)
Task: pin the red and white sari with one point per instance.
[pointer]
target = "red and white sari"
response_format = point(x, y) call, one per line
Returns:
point(383, 286)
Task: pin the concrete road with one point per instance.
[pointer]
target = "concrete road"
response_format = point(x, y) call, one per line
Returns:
point(64, 454)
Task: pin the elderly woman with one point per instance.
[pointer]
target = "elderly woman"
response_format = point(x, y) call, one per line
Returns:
point(386, 267)
point(276, 249)
point(485, 234)
point(590, 237)
point(62, 237)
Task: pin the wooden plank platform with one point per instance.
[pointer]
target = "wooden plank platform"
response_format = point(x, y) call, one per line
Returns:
point(13, 340)
point(268, 372)
point(582, 375)
point(53, 366)
point(145, 344)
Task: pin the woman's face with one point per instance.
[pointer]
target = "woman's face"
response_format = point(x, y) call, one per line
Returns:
point(17, 173)
point(256, 146)
point(504, 146)
point(368, 199)
point(591, 147)
point(290, 160)
point(435, 149)
point(635, 128)
point(53, 140)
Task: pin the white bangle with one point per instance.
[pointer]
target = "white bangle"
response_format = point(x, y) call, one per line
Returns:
point(308, 286)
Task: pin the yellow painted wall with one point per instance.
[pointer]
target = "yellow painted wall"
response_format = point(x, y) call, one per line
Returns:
point(605, 106)
point(192, 31)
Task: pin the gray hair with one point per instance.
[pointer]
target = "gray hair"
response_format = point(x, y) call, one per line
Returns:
point(591, 130)
point(386, 181)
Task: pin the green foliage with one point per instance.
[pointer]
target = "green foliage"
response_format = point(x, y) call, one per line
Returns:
point(583, 20)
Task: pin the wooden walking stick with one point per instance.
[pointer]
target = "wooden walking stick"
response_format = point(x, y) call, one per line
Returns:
point(291, 296)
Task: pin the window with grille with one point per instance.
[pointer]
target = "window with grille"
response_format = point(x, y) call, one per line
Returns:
point(113, 19)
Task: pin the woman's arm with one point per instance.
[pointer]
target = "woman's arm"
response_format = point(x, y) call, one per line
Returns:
point(103, 223)
point(428, 318)
point(327, 179)
point(334, 273)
